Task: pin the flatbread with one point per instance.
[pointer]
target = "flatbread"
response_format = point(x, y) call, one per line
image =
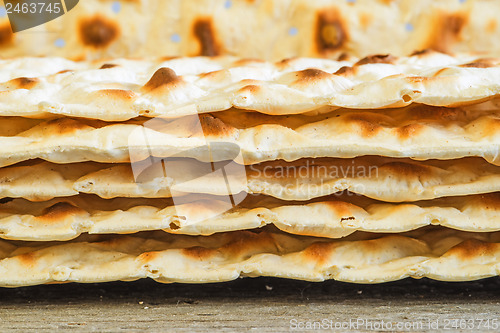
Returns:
point(386, 179)
point(438, 254)
point(418, 132)
point(119, 89)
point(331, 217)
point(271, 29)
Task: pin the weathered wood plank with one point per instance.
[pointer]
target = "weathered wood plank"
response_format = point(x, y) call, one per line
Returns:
point(262, 304)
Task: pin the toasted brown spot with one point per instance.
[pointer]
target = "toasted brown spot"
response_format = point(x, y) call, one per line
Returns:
point(247, 243)
point(64, 71)
point(376, 59)
point(251, 88)
point(482, 63)
point(174, 226)
point(213, 74)
point(59, 211)
point(248, 61)
point(127, 95)
point(331, 33)
point(215, 127)
point(319, 252)
point(476, 65)
point(421, 52)
point(365, 20)
point(27, 259)
point(491, 26)
point(199, 253)
point(343, 56)
point(490, 201)
point(408, 131)
point(168, 58)
point(417, 79)
point(63, 126)
point(162, 77)
point(310, 75)
point(106, 66)
point(6, 35)
point(249, 81)
point(447, 31)
point(369, 123)
point(406, 169)
point(341, 207)
point(284, 63)
point(440, 71)
point(98, 31)
point(473, 249)
point(422, 112)
point(345, 71)
point(23, 82)
point(204, 33)
point(148, 256)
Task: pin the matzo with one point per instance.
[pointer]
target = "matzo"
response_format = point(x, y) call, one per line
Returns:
point(332, 217)
point(271, 29)
point(455, 256)
point(386, 179)
point(418, 132)
point(120, 89)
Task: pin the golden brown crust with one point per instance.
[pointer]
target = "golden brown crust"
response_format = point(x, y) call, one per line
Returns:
point(59, 211)
point(448, 30)
point(215, 127)
point(409, 131)
point(199, 253)
point(345, 71)
point(6, 35)
point(369, 124)
point(126, 95)
point(331, 32)
point(310, 75)
point(98, 31)
point(106, 66)
point(407, 170)
point(23, 82)
point(204, 32)
point(163, 77)
point(377, 59)
point(473, 248)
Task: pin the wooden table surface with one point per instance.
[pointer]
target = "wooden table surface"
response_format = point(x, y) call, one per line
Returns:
point(263, 304)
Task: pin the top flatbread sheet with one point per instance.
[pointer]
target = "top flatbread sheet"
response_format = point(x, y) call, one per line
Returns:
point(270, 29)
point(119, 89)
point(419, 132)
point(448, 255)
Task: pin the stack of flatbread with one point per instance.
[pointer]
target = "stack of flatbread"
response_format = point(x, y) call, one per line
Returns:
point(207, 169)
